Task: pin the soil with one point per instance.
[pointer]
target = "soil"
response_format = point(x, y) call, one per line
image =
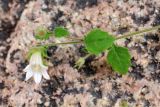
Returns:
point(95, 84)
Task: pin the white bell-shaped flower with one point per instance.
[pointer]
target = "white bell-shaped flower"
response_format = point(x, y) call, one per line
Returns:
point(36, 68)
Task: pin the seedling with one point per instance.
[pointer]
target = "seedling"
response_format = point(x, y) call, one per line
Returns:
point(96, 42)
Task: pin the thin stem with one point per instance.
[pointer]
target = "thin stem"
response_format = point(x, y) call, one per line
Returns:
point(73, 38)
point(138, 32)
point(63, 43)
point(88, 55)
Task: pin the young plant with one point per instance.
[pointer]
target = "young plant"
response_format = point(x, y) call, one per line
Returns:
point(96, 42)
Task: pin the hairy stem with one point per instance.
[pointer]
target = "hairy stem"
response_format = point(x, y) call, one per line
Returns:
point(88, 55)
point(138, 32)
point(63, 43)
point(74, 38)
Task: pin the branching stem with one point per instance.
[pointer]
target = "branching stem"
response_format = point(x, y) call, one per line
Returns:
point(77, 40)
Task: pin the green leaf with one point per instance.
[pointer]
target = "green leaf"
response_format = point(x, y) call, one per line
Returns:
point(119, 58)
point(42, 33)
point(97, 41)
point(61, 32)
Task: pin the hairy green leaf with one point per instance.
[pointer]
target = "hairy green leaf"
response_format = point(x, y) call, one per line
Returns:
point(61, 32)
point(119, 58)
point(97, 41)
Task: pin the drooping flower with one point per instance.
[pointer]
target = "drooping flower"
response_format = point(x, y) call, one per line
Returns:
point(36, 68)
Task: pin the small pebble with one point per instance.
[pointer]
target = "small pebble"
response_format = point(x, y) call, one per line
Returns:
point(44, 6)
point(39, 101)
point(47, 104)
point(144, 90)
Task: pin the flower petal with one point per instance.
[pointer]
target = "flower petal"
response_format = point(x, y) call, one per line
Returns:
point(44, 67)
point(28, 68)
point(37, 77)
point(29, 74)
point(36, 58)
point(45, 75)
